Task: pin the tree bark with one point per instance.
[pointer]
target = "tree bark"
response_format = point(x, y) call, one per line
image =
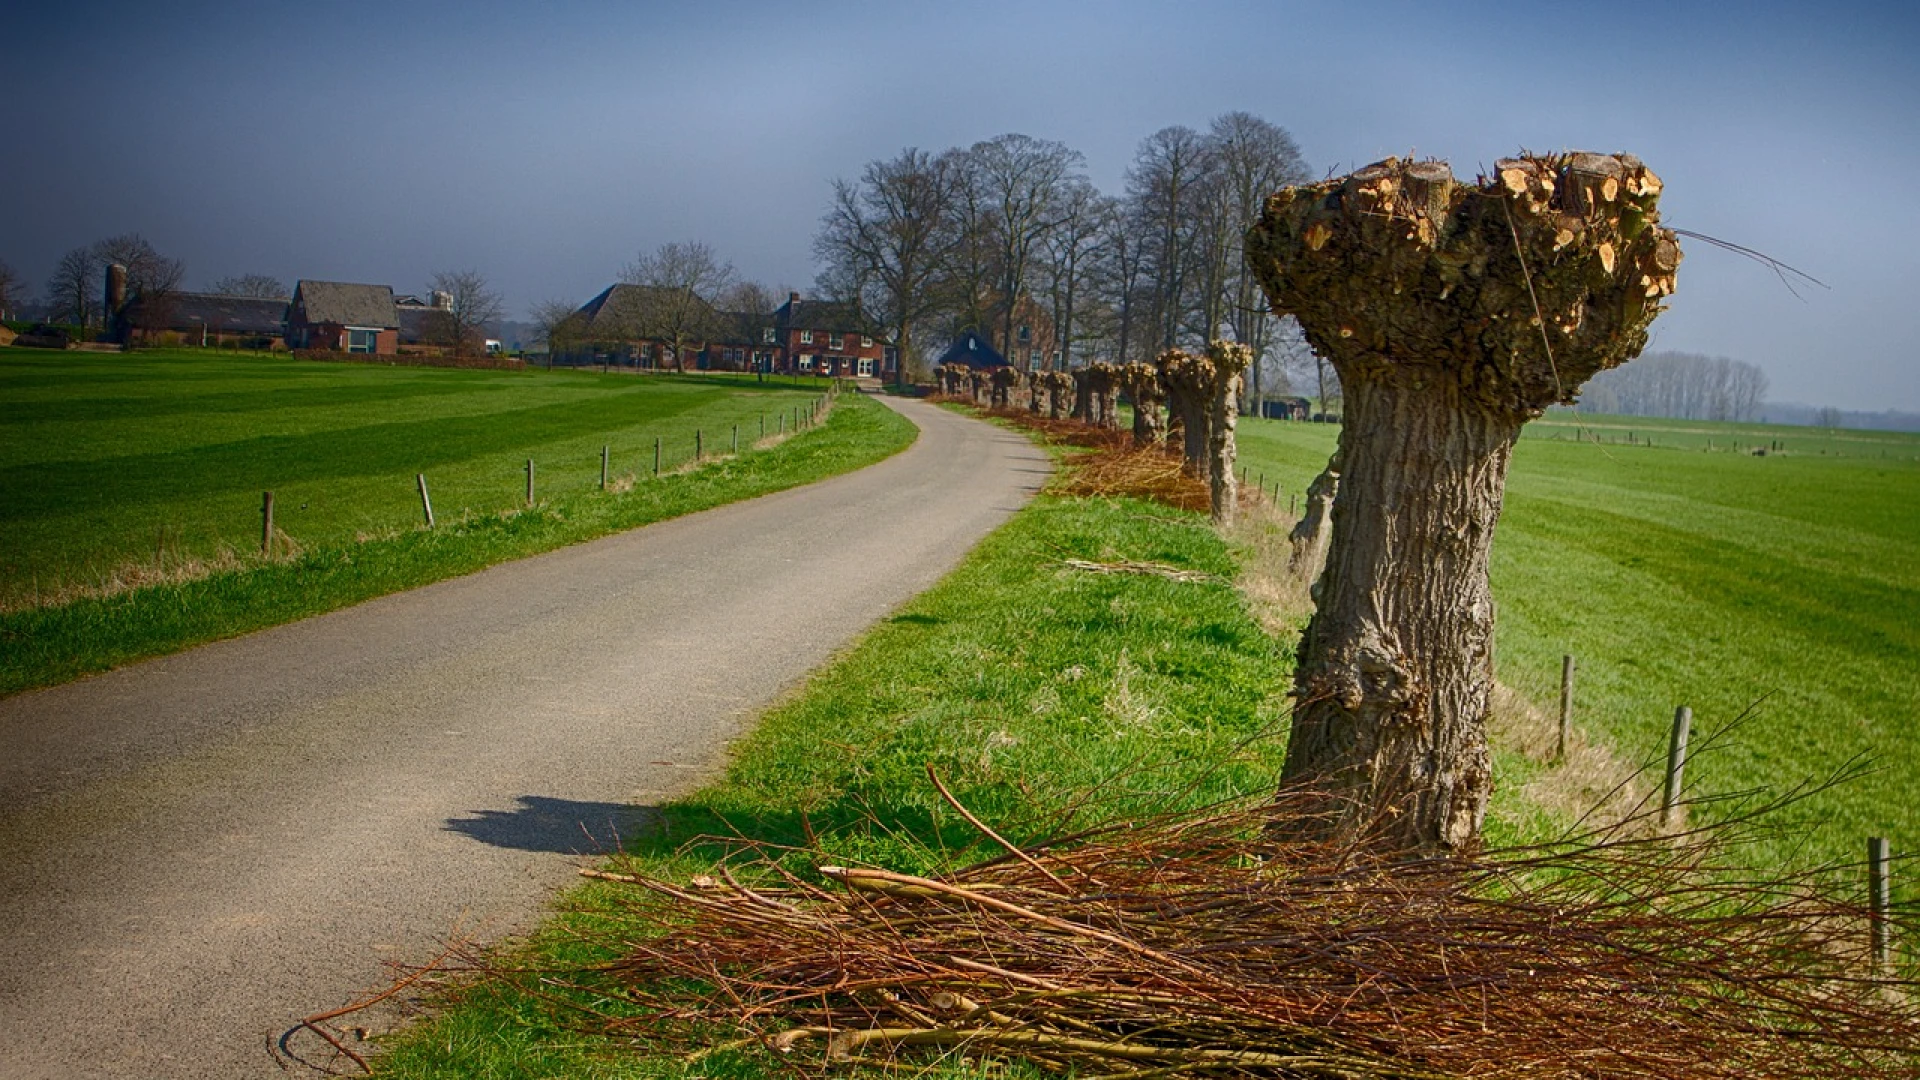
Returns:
point(1454, 313)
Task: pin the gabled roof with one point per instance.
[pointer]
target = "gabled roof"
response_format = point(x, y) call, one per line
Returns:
point(834, 318)
point(619, 310)
point(346, 304)
point(220, 314)
point(745, 327)
point(971, 349)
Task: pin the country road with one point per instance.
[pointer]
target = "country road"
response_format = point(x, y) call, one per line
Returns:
point(198, 850)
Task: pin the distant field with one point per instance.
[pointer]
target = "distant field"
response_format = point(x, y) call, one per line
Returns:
point(1715, 580)
point(123, 464)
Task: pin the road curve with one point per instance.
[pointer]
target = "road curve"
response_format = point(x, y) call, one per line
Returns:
point(198, 850)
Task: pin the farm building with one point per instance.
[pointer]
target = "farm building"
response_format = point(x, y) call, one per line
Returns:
point(184, 318)
point(632, 325)
point(338, 316)
point(1286, 408)
point(973, 350)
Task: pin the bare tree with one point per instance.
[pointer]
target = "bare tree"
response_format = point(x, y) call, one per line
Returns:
point(1253, 159)
point(1073, 251)
point(11, 289)
point(1165, 184)
point(1022, 182)
point(1684, 386)
point(149, 273)
point(74, 291)
point(552, 320)
point(885, 240)
point(473, 307)
point(263, 286)
point(678, 277)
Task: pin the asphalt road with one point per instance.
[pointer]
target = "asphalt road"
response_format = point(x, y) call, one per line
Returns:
point(199, 850)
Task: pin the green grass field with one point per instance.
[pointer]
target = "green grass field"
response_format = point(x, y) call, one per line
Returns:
point(131, 518)
point(124, 461)
point(1719, 580)
point(1050, 698)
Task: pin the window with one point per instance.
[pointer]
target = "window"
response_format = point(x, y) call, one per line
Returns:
point(866, 342)
point(362, 341)
point(1033, 358)
point(866, 367)
point(1026, 334)
point(806, 337)
point(806, 363)
point(766, 335)
point(833, 342)
point(1056, 358)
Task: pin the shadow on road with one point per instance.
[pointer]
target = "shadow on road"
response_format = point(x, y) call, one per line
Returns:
point(565, 826)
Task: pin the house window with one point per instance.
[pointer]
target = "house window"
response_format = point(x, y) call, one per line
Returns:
point(1026, 334)
point(806, 337)
point(833, 342)
point(766, 335)
point(1034, 358)
point(866, 367)
point(866, 342)
point(806, 363)
point(362, 341)
point(1056, 358)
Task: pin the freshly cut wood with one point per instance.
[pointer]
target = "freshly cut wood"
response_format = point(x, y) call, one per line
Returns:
point(1454, 313)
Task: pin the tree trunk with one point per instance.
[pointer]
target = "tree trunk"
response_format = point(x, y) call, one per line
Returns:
point(1453, 314)
point(1396, 666)
point(1222, 452)
point(1311, 533)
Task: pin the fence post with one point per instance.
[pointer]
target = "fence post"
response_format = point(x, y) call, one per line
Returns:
point(656, 455)
point(1566, 703)
point(529, 481)
point(1676, 765)
point(266, 523)
point(697, 449)
point(606, 453)
point(736, 438)
point(763, 425)
point(1879, 899)
point(426, 502)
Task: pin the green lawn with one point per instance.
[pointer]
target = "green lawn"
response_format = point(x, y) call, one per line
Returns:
point(129, 468)
point(1716, 580)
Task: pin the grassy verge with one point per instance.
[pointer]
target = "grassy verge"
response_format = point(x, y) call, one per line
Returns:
point(1716, 580)
point(1047, 697)
point(47, 645)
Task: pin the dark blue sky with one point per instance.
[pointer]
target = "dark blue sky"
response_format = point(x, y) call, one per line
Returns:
point(546, 147)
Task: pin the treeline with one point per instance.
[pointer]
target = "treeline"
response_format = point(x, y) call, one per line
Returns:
point(1010, 233)
point(1683, 386)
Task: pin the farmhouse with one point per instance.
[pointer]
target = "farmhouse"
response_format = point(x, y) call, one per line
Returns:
point(634, 325)
point(338, 316)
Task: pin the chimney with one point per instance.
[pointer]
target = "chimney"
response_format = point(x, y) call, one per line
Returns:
point(793, 298)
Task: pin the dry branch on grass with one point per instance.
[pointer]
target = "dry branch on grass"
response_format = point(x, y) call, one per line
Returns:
point(1198, 944)
point(1132, 566)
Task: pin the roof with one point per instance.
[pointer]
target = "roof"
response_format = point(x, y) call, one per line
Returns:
point(346, 304)
point(619, 310)
point(420, 325)
point(972, 350)
point(220, 314)
point(834, 318)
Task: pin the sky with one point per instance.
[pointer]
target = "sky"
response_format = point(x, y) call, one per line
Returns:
point(546, 146)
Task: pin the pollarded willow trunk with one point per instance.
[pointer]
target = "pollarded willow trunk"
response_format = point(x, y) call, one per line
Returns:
point(1059, 395)
point(1004, 381)
point(1187, 387)
point(1103, 390)
point(1228, 361)
point(1454, 314)
point(1082, 394)
point(1310, 535)
point(1141, 383)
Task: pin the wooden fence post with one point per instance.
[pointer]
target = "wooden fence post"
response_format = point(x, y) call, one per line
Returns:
point(1879, 900)
point(529, 481)
point(736, 438)
point(1676, 765)
point(606, 453)
point(1566, 703)
point(656, 455)
point(426, 502)
point(698, 451)
point(266, 523)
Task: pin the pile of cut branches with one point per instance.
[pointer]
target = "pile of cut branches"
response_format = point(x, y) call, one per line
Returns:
point(1151, 473)
point(1205, 945)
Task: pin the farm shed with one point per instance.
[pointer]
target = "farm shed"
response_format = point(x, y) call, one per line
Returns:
point(338, 316)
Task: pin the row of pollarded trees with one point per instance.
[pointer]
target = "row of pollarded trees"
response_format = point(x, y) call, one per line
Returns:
point(1199, 392)
point(932, 244)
